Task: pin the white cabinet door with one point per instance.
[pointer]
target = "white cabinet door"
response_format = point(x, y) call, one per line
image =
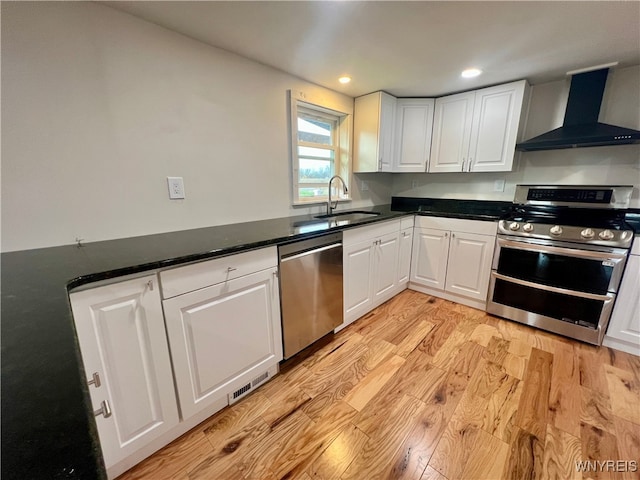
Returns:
point(429, 259)
point(374, 120)
point(496, 117)
point(625, 320)
point(220, 336)
point(358, 278)
point(414, 125)
point(385, 276)
point(451, 132)
point(123, 341)
point(387, 123)
point(404, 257)
point(477, 131)
point(469, 265)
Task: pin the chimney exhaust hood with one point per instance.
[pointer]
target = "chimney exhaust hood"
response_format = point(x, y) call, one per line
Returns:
point(581, 127)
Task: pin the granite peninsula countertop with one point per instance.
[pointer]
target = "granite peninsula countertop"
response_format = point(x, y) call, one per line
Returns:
point(47, 427)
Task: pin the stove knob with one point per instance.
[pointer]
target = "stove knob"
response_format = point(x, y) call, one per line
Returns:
point(556, 230)
point(606, 235)
point(587, 233)
point(514, 226)
point(527, 227)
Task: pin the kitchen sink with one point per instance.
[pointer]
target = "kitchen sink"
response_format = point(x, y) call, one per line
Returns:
point(352, 215)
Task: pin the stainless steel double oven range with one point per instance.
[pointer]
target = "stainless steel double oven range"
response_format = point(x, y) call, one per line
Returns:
point(559, 258)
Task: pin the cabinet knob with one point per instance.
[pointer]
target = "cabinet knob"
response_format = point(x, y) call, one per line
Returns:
point(105, 409)
point(95, 380)
point(446, 234)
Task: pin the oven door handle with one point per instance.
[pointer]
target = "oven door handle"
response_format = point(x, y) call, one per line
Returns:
point(614, 257)
point(592, 296)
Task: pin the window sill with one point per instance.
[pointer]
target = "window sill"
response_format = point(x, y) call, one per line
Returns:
point(317, 201)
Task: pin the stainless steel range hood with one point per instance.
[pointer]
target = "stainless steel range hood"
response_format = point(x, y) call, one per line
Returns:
point(581, 127)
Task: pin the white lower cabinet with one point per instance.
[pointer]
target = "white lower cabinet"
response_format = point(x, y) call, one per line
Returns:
point(224, 340)
point(371, 257)
point(404, 257)
point(623, 332)
point(452, 258)
point(222, 321)
point(124, 350)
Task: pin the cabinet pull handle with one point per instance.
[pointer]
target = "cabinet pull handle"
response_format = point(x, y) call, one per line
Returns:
point(463, 160)
point(469, 166)
point(105, 409)
point(95, 380)
point(453, 235)
point(150, 285)
point(231, 269)
point(380, 164)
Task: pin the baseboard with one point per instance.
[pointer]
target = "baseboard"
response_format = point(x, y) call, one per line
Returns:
point(469, 302)
point(627, 347)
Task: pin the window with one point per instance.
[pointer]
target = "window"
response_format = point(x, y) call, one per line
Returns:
point(320, 150)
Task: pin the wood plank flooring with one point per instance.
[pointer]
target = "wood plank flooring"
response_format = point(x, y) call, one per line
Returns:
point(425, 389)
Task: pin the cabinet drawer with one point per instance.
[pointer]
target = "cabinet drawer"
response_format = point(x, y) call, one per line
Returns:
point(360, 234)
point(192, 277)
point(458, 225)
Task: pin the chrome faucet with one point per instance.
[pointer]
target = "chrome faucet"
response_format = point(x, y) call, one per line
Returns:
point(331, 207)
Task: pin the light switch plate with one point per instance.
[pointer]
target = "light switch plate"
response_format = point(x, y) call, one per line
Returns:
point(176, 187)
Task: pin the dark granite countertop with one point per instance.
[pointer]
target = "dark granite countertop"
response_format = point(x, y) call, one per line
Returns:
point(47, 427)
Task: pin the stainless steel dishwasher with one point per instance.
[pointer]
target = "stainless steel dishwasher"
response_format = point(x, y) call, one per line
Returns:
point(310, 290)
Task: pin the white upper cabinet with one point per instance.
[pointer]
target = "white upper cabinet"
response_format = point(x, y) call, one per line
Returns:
point(451, 132)
point(477, 131)
point(414, 125)
point(373, 126)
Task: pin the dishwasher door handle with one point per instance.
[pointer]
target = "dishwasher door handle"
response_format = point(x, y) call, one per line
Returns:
point(311, 252)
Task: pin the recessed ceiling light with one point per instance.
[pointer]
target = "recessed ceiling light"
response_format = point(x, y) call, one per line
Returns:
point(471, 72)
point(344, 79)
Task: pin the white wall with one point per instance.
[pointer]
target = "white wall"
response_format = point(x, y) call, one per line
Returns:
point(596, 165)
point(99, 107)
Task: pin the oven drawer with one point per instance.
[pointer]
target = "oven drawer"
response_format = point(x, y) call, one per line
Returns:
point(575, 314)
point(560, 265)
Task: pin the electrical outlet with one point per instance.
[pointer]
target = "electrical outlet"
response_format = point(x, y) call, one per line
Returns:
point(498, 185)
point(176, 187)
point(414, 183)
point(364, 186)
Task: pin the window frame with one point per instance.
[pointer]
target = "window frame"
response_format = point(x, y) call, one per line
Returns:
point(299, 102)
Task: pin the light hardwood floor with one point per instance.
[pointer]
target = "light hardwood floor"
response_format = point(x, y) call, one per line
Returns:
point(422, 388)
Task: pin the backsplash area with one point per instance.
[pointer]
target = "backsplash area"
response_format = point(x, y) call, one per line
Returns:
point(595, 165)
point(599, 165)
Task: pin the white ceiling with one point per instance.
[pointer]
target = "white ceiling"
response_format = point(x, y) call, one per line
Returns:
point(410, 48)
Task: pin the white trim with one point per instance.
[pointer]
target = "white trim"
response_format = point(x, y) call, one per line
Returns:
point(341, 147)
point(452, 297)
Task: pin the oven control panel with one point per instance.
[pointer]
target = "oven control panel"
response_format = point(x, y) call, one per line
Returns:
point(584, 196)
point(595, 236)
